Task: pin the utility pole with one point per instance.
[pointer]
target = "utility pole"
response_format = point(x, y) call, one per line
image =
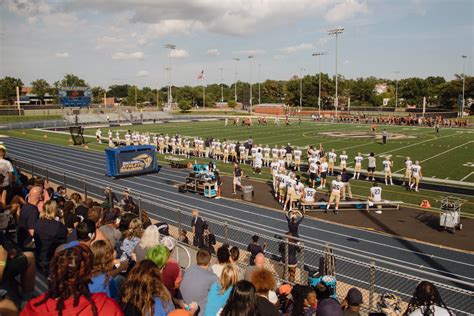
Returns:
point(259, 83)
point(250, 64)
point(170, 47)
point(235, 78)
point(222, 86)
point(319, 54)
point(396, 90)
point(463, 82)
point(336, 32)
point(301, 87)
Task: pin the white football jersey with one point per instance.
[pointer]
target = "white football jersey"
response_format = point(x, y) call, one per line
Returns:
point(358, 159)
point(343, 158)
point(408, 164)
point(332, 157)
point(387, 164)
point(313, 167)
point(274, 167)
point(337, 185)
point(376, 193)
point(324, 167)
point(415, 170)
point(309, 194)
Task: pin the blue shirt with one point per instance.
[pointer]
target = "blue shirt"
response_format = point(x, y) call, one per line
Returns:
point(98, 285)
point(162, 309)
point(216, 300)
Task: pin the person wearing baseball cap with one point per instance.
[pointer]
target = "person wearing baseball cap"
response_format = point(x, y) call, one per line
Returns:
point(352, 302)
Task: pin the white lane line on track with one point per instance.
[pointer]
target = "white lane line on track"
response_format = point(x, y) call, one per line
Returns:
point(62, 153)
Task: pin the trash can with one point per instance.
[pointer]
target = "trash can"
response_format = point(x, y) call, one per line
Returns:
point(247, 193)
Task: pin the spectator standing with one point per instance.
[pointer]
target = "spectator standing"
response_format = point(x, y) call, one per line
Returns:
point(197, 225)
point(208, 240)
point(259, 264)
point(352, 302)
point(255, 248)
point(171, 272)
point(29, 214)
point(197, 280)
point(426, 301)
point(49, 234)
point(243, 300)
point(68, 292)
point(290, 248)
point(237, 179)
point(264, 282)
point(220, 291)
point(294, 222)
point(384, 136)
point(346, 189)
point(144, 292)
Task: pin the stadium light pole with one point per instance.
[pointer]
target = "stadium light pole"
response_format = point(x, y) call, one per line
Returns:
point(170, 47)
point(396, 89)
point(222, 85)
point(235, 77)
point(463, 83)
point(301, 87)
point(336, 32)
point(259, 65)
point(250, 64)
point(319, 54)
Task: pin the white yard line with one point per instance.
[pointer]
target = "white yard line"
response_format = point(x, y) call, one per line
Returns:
point(466, 176)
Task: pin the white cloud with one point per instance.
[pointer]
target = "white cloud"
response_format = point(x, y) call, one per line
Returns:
point(297, 48)
point(165, 27)
point(213, 52)
point(279, 57)
point(128, 56)
point(143, 73)
point(105, 41)
point(178, 53)
point(346, 10)
point(346, 62)
point(250, 52)
point(61, 55)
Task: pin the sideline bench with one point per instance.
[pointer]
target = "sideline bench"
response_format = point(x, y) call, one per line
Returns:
point(356, 205)
point(176, 162)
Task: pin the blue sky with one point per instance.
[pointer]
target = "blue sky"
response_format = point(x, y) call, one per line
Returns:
point(112, 42)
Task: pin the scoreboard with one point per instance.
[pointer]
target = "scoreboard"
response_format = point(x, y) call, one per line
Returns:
point(75, 96)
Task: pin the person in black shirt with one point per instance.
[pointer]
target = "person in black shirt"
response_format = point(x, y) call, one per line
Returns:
point(293, 248)
point(208, 240)
point(346, 189)
point(294, 222)
point(255, 248)
point(237, 181)
point(29, 214)
point(197, 225)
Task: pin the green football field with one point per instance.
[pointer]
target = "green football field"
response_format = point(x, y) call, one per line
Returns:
point(446, 156)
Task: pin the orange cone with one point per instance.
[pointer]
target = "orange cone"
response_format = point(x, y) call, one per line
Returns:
point(425, 204)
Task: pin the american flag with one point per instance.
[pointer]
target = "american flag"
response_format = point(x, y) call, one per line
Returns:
point(201, 75)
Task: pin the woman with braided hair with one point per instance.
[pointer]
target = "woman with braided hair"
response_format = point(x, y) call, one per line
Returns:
point(68, 294)
point(426, 301)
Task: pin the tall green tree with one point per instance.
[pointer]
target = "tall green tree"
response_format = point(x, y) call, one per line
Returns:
point(118, 91)
point(98, 95)
point(40, 87)
point(71, 80)
point(8, 89)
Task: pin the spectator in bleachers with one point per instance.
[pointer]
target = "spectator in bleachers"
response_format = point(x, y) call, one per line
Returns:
point(255, 248)
point(183, 237)
point(29, 215)
point(223, 258)
point(303, 301)
point(83, 208)
point(68, 292)
point(259, 264)
point(197, 280)
point(150, 238)
point(70, 219)
point(144, 293)
point(220, 291)
point(110, 227)
point(49, 233)
point(352, 302)
point(159, 255)
point(234, 259)
point(171, 272)
point(426, 301)
point(329, 307)
point(264, 282)
point(131, 238)
point(243, 300)
point(84, 233)
point(6, 170)
point(14, 263)
point(102, 274)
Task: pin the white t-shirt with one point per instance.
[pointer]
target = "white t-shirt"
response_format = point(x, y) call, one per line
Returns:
point(415, 170)
point(371, 163)
point(337, 185)
point(438, 311)
point(324, 167)
point(376, 193)
point(5, 168)
point(309, 194)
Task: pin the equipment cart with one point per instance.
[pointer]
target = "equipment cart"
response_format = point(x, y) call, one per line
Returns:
point(450, 212)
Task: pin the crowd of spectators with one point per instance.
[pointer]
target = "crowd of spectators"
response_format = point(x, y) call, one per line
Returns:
point(103, 258)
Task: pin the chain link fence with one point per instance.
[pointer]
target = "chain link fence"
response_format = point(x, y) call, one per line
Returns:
point(372, 277)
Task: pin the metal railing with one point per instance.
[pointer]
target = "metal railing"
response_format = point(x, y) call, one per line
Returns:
point(351, 269)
